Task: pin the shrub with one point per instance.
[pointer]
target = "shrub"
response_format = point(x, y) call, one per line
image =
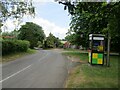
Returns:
point(11, 46)
point(22, 45)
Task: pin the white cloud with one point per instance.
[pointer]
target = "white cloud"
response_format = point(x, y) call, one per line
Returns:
point(51, 27)
point(43, 0)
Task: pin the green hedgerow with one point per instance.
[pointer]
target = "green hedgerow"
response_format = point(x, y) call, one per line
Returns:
point(10, 46)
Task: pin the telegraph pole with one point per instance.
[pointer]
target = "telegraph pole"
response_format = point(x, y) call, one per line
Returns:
point(108, 43)
point(108, 49)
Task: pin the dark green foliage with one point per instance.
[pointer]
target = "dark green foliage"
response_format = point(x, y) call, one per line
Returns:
point(31, 32)
point(11, 46)
point(94, 17)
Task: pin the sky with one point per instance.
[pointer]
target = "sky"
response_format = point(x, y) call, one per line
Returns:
point(50, 15)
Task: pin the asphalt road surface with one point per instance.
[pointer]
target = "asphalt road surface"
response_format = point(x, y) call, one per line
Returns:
point(45, 69)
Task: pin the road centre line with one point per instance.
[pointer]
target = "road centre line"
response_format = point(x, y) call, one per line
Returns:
point(15, 73)
point(43, 57)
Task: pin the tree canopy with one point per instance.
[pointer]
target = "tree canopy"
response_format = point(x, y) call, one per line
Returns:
point(15, 9)
point(52, 41)
point(94, 17)
point(31, 32)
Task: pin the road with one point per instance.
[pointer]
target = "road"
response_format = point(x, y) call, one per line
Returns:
point(45, 69)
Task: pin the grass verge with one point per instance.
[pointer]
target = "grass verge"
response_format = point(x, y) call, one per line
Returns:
point(13, 56)
point(87, 76)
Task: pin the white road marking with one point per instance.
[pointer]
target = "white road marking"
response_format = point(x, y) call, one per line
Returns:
point(15, 73)
point(43, 57)
point(21, 70)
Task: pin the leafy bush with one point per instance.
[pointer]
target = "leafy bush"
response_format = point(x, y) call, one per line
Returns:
point(22, 45)
point(11, 46)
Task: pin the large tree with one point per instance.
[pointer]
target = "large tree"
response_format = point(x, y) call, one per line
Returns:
point(94, 17)
point(31, 32)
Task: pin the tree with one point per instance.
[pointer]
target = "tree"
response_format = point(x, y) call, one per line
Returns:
point(89, 17)
point(31, 32)
point(52, 41)
point(15, 9)
point(94, 17)
point(57, 42)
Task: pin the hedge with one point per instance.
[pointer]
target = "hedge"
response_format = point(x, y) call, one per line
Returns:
point(11, 46)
